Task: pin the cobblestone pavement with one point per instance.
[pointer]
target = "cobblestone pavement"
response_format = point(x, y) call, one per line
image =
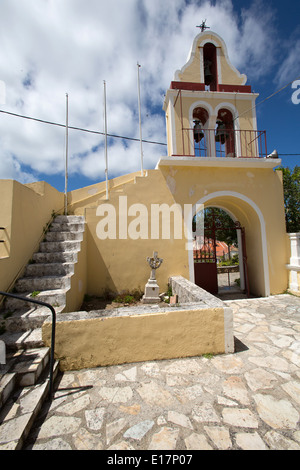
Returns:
point(247, 400)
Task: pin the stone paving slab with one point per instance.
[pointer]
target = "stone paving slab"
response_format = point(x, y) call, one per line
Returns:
point(249, 400)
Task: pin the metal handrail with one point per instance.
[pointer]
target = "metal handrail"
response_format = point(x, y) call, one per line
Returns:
point(44, 304)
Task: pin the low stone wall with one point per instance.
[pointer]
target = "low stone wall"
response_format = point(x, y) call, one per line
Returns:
point(228, 269)
point(194, 327)
point(188, 292)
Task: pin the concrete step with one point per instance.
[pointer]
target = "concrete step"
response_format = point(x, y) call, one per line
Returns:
point(21, 395)
point(66, 227)
point(50, 247)
point(49, 269)
point(55, 297)
point(22, 340)
point(33, 284)
point(14, 430)
point(52, 257)
point(57, 236)
point(20, 405)
point(69, 219)
point(29, 364)
point(27, 318)
point(8, 383)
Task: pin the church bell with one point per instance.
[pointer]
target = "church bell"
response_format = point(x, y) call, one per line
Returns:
point(221, 133)
point(208, 76)
point(198, 133)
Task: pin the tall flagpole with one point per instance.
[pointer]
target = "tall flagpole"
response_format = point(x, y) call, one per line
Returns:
point(105, 131)
point(67, 149)
point(140, 118)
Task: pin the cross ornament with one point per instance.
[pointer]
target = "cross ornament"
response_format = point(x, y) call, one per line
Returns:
point(154, 264)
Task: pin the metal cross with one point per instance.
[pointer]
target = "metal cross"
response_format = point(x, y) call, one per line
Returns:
point(203, 26)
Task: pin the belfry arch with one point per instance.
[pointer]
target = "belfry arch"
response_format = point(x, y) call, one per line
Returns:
point(242, 209)
point(210, 66)
point(225, 135)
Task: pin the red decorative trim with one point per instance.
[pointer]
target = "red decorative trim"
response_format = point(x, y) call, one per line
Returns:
point(234, 88)
point(187, 86)
point(190, 86)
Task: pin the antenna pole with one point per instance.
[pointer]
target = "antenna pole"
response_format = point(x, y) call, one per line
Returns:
point(140, 118)
point(105, 130)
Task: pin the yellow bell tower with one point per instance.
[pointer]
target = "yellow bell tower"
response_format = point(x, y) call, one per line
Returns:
point(218, 158)
point(210, 111)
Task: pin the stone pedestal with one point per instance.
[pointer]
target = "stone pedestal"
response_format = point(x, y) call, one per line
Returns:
point(151, 295)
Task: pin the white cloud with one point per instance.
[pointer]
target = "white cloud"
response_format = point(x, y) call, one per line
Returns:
point(54, 47)
point(289, 69)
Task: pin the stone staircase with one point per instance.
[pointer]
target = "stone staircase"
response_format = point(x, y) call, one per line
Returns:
point(24, 388)
point(23, 380)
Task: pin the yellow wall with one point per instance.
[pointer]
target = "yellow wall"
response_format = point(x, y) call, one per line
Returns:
point(116, 265)
point(25, 210)
point(263, 188)
point(82, 198)
point(253, 196)
point(116, 340)
point(6, 198)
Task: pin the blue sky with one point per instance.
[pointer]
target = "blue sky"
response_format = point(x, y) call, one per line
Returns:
point(54, 47)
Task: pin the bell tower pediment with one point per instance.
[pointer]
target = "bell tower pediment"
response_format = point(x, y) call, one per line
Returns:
point(208, 57)
point(210, 111)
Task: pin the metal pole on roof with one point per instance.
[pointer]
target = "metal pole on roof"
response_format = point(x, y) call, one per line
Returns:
point(140, 118)
point(105, 131)
point(67, 149)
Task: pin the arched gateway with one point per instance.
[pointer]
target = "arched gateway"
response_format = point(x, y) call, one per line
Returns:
point(252, 272)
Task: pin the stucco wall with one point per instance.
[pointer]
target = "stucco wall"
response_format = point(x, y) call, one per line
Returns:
point(83, 341)
point(24, 212)
point(253, 196)
point(120, 264)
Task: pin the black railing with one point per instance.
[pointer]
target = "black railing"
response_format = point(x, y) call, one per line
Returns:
point(224, 143)
point(44, 304)
point(2, 228)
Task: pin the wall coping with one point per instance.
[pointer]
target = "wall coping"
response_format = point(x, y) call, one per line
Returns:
point(189, 292)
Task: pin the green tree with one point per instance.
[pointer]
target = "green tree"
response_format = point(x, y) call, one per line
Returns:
point(291, 192)
point(219, 222)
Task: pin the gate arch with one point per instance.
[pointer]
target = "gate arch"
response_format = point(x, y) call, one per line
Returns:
point(242, 208)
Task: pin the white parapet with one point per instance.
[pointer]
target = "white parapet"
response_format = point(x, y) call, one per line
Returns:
point(295, 249)
point(294, 265)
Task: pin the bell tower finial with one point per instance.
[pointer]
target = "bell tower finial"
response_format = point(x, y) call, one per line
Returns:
point(203, 26)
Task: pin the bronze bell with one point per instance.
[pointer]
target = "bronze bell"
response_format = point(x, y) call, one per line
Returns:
point(198, 133)
point(221, 133)
point(208, 76)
